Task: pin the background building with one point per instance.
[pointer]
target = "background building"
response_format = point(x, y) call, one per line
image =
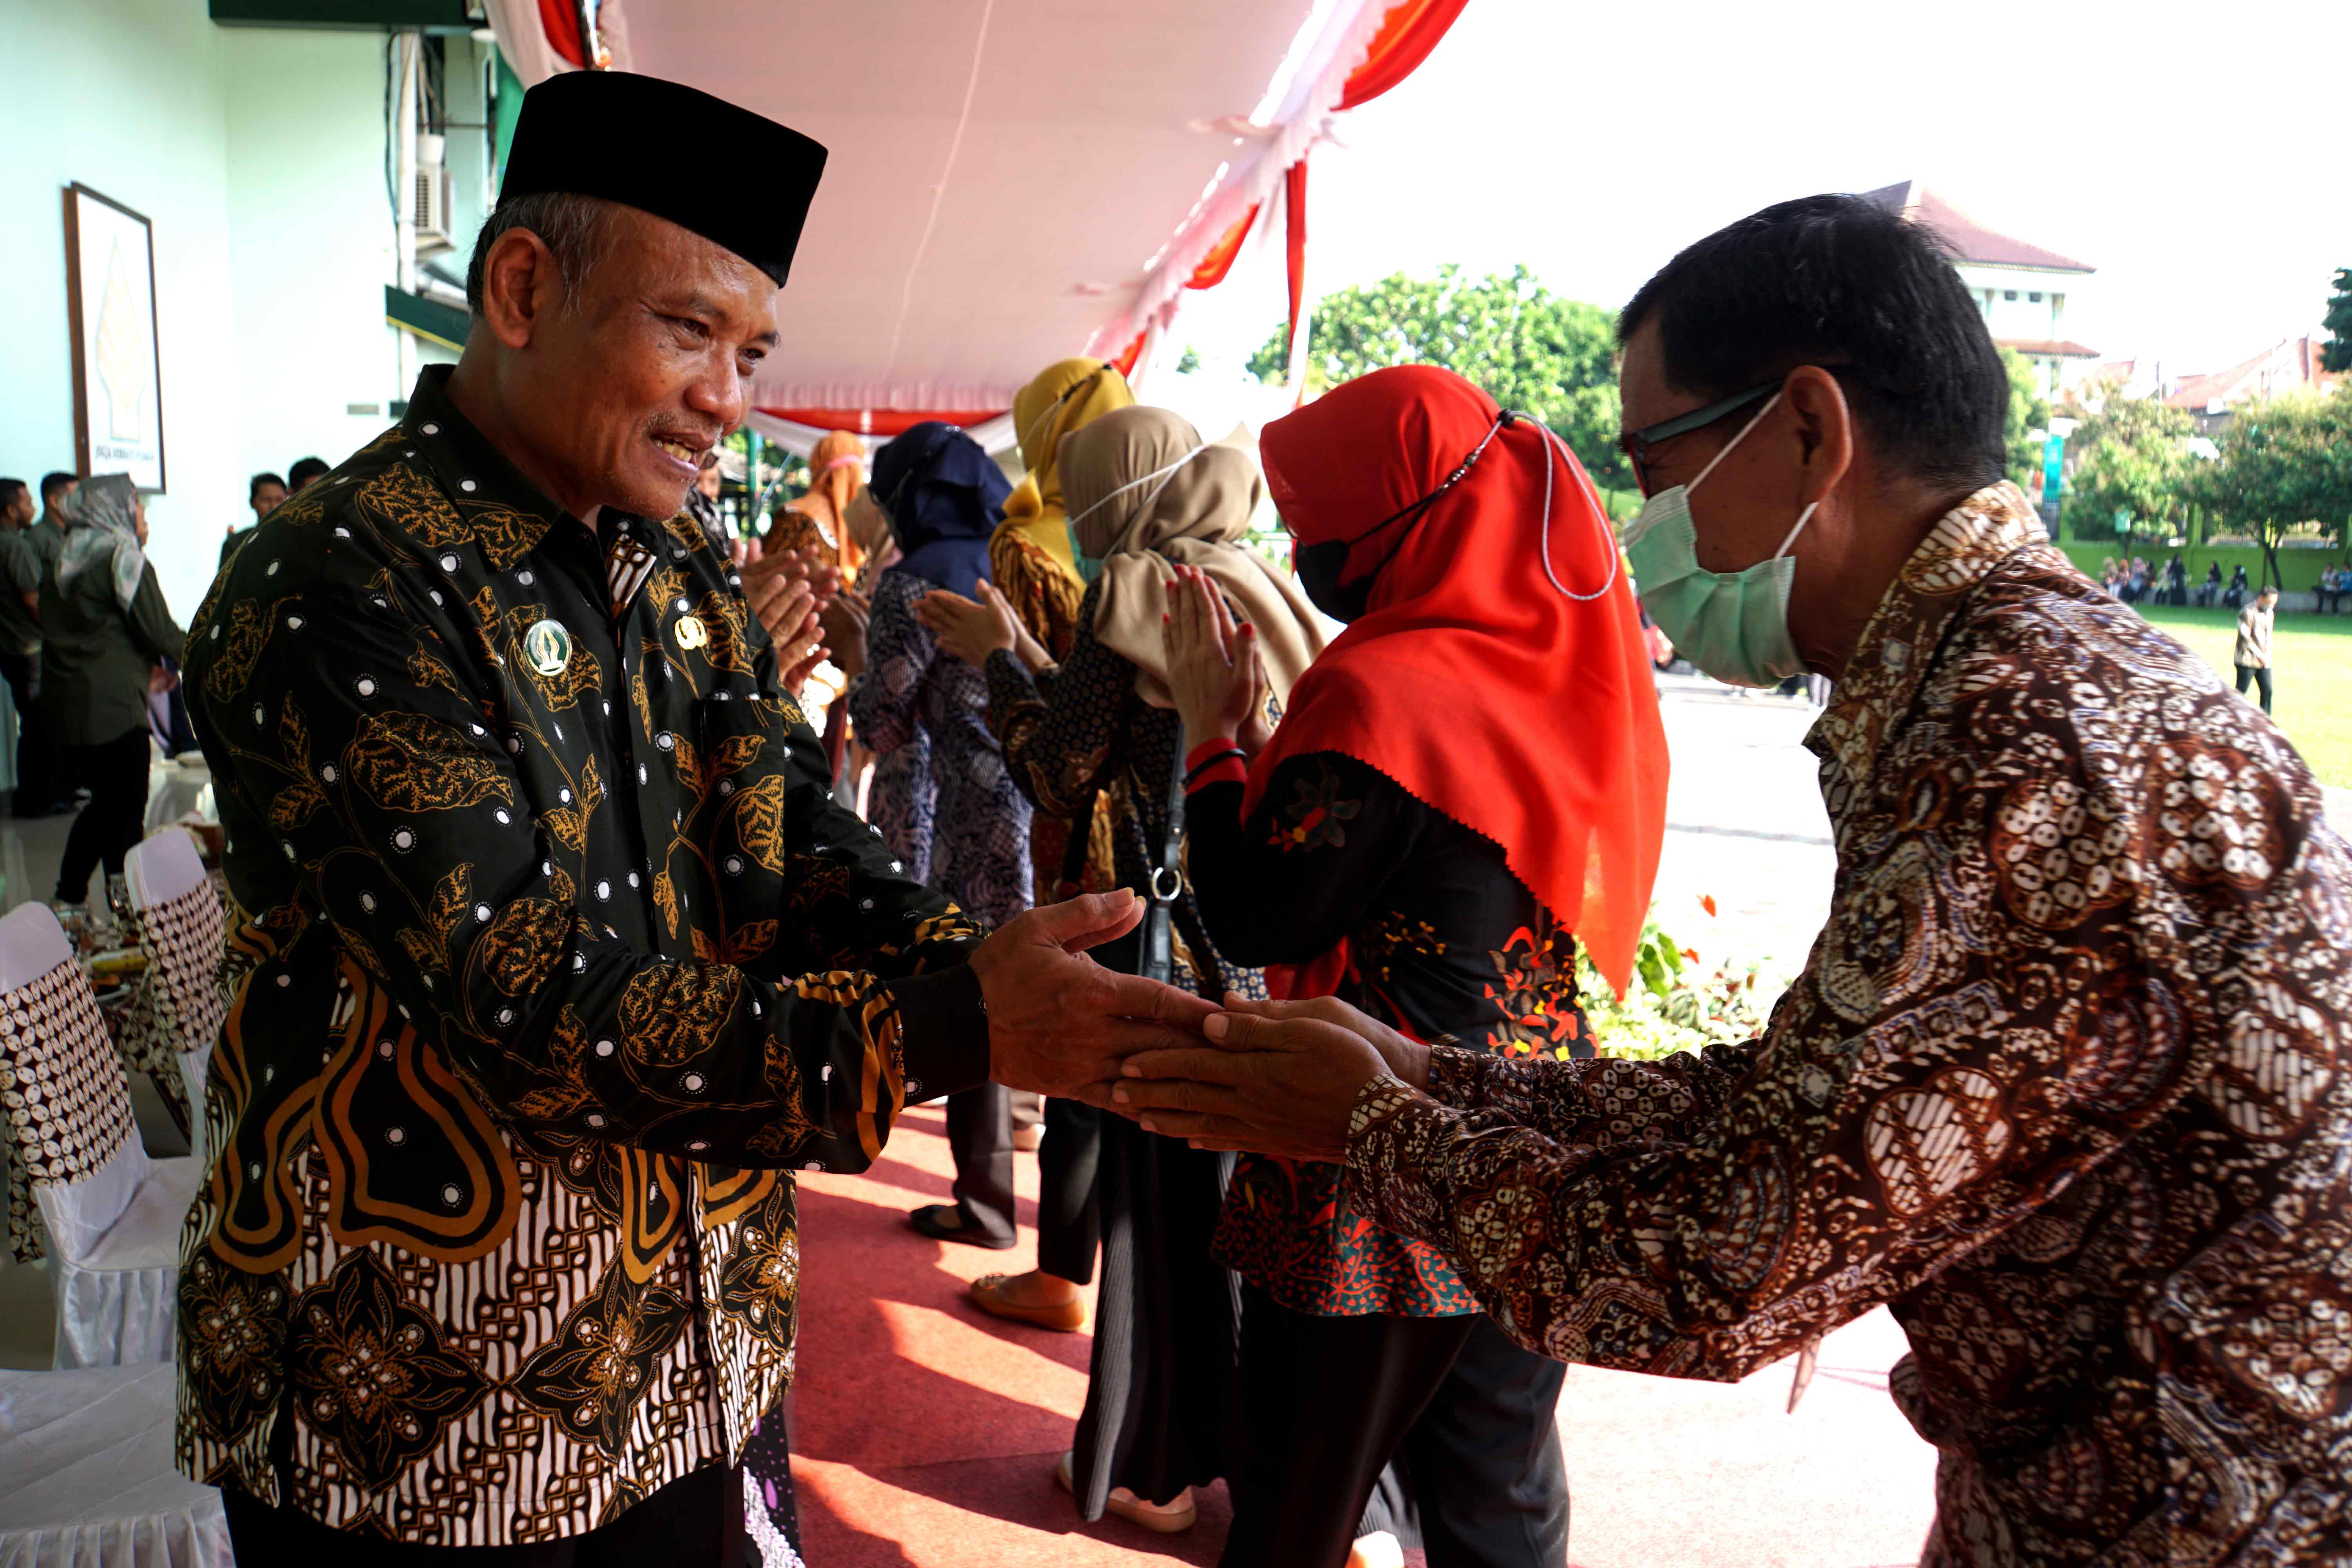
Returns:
point(2021, 288)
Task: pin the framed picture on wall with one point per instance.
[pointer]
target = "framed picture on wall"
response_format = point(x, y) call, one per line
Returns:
point(111, 303)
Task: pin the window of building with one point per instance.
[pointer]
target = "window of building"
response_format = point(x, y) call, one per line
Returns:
point(2034, 298)
point(2009, 294)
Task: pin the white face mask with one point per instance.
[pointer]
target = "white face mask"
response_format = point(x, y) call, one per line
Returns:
point(1733, 626)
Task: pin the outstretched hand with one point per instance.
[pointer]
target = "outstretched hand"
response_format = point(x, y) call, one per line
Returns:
point(1276, 1078)
point(1060, 1023)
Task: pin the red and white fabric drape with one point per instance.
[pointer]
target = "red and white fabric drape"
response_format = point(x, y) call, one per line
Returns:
point(1392, 50)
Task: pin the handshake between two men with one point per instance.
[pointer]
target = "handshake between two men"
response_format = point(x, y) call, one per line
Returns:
point(1267, 1078)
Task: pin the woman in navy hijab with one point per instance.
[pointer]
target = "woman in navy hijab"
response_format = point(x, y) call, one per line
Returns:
point(958, 823)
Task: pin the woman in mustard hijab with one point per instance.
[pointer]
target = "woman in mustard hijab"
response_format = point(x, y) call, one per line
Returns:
point(1029, 558)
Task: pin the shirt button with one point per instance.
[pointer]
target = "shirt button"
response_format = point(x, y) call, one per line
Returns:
point(432, 429)
point(465, 484)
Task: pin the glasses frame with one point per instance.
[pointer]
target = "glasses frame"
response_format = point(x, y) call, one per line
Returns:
point(1637, 444)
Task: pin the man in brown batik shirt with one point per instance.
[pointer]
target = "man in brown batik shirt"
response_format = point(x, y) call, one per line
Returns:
point(2063, 1083)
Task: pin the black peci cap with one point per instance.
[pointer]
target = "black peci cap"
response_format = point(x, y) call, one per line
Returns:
point(615, 135)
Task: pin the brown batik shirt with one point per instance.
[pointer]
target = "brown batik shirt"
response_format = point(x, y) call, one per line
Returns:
point(2061, 1084)
point(558, 955)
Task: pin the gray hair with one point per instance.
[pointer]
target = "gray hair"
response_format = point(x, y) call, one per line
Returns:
point(572, 227)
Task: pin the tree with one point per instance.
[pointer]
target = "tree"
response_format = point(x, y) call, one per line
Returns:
point(2285, 463)
point(2135, 463)
point(2338, 322)
point(1531, 350)
point(2028, 410)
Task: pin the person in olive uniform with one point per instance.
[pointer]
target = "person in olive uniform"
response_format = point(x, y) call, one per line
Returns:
point(103, 625)
point(556, 954)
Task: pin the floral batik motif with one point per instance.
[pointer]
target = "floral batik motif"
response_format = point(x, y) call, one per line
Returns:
point(559, 958)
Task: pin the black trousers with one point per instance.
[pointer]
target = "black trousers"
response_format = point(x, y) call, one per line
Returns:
point(114, 821)
point(38, 786)
point(980, 1136)
point(695, 1520)
point(2250, 676)
point(1467, 1415)
point(1069, 1212)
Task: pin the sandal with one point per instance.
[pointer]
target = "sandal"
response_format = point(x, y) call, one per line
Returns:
point(988, 1294)
point(1162, 1517)
point(944, 1222)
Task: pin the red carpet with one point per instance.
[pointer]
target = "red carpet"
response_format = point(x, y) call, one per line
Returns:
point(928, 1431)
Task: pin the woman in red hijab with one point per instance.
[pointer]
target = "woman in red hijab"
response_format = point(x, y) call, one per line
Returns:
point(1468, 782)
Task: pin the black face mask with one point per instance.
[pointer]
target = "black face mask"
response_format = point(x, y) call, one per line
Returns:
point(1320, 565)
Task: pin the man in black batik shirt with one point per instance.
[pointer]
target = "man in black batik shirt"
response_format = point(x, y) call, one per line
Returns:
point(555, 955)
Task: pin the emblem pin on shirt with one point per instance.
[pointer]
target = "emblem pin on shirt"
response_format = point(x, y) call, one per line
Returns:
point(548, 645)
point(691, 632)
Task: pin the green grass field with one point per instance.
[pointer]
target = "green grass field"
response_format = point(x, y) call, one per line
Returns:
point(2312, 660)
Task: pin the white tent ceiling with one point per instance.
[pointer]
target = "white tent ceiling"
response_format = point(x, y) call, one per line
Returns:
point(1010, 182)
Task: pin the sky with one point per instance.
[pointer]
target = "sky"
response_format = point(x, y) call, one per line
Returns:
point(2194, 155)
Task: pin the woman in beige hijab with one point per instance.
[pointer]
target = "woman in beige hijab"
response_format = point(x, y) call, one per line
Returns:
point(1095, 734)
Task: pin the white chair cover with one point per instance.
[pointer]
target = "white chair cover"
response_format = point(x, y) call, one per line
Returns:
point(112, 1215)
point(87, 1478)
point(182, 930)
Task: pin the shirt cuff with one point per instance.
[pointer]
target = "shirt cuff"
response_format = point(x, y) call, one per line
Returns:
point(1214, 761)
point(1397, 1171)
point(942, 1032)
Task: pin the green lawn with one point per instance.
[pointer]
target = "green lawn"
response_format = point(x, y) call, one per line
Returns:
point(2312, 660)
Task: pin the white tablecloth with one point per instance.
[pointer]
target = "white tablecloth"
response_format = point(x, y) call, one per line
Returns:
point(86, 1476)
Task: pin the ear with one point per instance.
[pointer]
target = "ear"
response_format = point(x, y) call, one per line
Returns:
point(520, 283)
point(1824, 429)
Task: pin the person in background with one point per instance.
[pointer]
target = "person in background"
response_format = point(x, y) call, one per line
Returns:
point(104, 625)
point(304, 472)
point(1032, 566)
point(20, 653)
point(2235, 596)
point(1096, 735)
point(2063, 1083)
point(265, 494)
point(2253, 657)
point(2176, 582)
point(2331, 590)
point(1469, 781)
point(2209, 590)
point(815, 522)
point(702, 503)
point(47, 535)
point(971, 838)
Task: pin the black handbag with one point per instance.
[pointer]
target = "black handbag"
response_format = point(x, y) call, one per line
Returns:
point(1166, 885)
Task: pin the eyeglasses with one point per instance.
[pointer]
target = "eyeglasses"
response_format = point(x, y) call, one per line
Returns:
point(1637, 445)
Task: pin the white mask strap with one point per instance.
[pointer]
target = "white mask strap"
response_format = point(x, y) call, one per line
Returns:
point(1556, 451)
point(1163, 475)
point(1803, 518)
point(1711, 462)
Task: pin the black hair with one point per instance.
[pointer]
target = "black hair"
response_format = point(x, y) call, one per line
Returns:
point(572, 228)
point(10, 489)
point(305, 469)
point(52, 483)
point(253, 489)
point(1843, 283)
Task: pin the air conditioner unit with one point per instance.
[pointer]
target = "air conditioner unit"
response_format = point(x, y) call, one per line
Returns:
point(431, 196)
